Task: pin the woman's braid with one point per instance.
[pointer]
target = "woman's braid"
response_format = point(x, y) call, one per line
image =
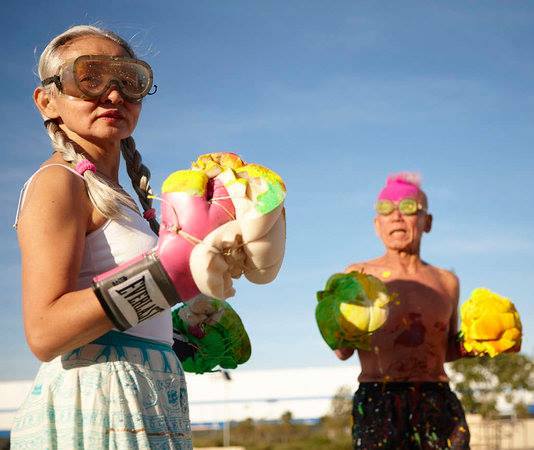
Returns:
point(140, 176)
point(104, 197)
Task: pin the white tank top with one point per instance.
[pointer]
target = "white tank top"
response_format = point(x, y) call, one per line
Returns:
point(114, 243)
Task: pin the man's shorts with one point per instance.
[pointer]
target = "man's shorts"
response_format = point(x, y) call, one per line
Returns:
point(408, 416)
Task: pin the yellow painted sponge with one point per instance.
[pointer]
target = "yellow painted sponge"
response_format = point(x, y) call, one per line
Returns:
point(191, 182)
point(195, 180)
point(490, 324)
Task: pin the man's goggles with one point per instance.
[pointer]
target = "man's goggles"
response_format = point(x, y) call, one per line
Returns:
point(407, 207)
point(89, 76)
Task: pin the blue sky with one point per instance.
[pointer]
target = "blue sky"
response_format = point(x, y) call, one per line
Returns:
point(332, 95)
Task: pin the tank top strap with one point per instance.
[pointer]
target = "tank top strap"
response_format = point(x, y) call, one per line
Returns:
point(22, 195)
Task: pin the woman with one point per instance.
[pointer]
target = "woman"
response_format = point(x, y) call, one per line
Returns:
point(97, 388)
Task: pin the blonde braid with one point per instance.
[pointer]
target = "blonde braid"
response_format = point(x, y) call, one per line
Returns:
point(140, 176)
point(105, 198)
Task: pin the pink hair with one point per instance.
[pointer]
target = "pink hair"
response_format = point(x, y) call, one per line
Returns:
point(401, 185)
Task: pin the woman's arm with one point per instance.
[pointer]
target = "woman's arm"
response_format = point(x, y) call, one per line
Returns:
point(51, 232)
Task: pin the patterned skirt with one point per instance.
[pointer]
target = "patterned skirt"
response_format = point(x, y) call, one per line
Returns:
point(118, 392)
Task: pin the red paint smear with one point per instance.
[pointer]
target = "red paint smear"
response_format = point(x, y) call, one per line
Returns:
point(414, 335)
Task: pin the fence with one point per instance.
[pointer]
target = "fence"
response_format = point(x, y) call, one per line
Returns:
point(501, 434)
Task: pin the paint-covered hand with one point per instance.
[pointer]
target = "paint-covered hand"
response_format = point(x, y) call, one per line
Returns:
point(490, 325)
point(209, 333)
point(351, 307)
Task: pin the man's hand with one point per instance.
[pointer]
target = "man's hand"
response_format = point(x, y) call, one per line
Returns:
point(350, 309)
point(344, 353)
point(490, 324)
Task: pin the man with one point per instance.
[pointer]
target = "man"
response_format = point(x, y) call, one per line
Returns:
point(404, 400)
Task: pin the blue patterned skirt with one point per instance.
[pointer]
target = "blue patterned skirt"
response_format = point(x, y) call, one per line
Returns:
point(118, 392)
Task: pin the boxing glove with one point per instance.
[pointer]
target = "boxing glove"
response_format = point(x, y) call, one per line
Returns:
point(208, 333)
point(194, 202)
point(254, 243)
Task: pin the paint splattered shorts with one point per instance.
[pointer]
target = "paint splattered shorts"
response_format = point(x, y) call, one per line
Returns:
point(408, 416)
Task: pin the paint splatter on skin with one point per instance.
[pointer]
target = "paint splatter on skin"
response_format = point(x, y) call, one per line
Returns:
point(415, 334)
point(409, 365)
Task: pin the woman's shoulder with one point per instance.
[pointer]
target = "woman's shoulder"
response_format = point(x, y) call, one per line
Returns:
point(55, 187)
point(56, 178)
point(56, 163)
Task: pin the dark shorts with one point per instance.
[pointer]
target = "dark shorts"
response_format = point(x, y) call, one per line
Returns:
point(406, 416)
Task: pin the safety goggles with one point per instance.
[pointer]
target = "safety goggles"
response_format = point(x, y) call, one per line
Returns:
point(407, 207)
point(89, 76)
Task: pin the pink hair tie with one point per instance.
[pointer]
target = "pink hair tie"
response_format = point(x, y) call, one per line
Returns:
point(84, 165)
point(149, 214)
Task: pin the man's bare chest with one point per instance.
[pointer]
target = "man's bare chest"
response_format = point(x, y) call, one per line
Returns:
point(417, 309)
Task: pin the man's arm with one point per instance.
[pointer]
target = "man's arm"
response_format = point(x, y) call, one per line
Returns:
point(454, 351)
point(344, 353)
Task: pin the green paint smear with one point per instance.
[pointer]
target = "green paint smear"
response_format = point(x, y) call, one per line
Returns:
point(225, 344)
point(340, 288)
point(270, 199)
point(360, 409)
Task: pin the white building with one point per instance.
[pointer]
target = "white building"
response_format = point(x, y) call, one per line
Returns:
point(267, 394)
point(213, 399)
